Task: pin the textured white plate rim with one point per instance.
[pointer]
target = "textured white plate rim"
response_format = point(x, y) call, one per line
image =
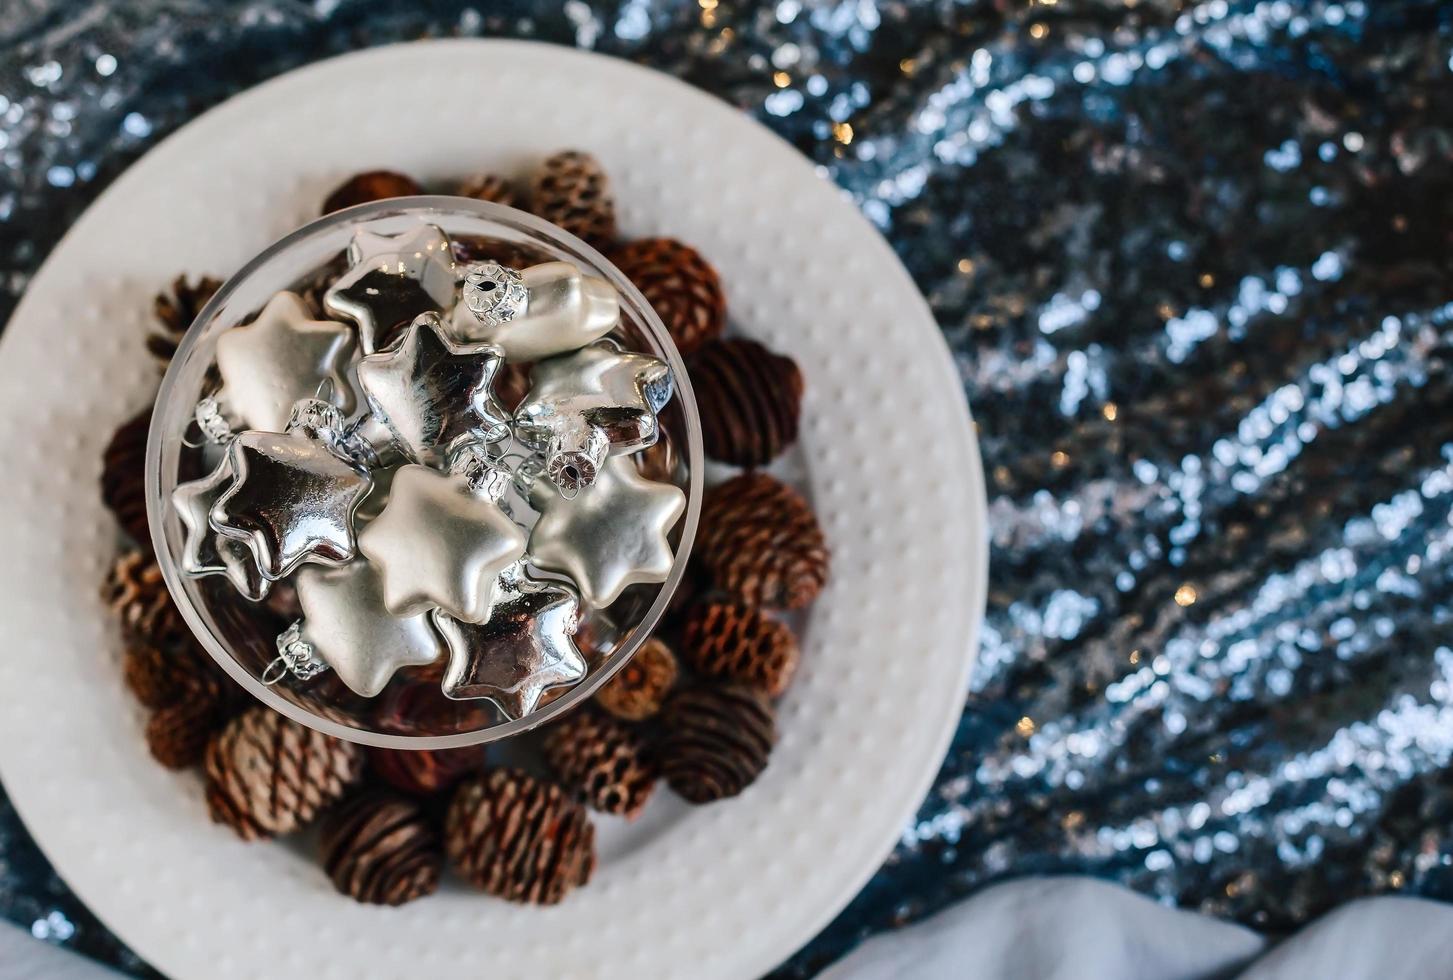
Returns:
point(47, 788)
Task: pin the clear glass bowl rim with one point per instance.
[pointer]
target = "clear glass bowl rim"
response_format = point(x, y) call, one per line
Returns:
point(158, 508)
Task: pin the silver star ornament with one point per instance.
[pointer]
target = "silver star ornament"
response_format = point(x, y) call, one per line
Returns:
point(281, 356)
point(393, 278)
point(346, 626)
point(609, 536)
point(440, 544)
point(584, 406)
point(428, 390)
point(526, 648)
point(553, 308)
point(204, 550)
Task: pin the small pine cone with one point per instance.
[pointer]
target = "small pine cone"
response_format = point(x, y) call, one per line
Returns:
point(716, 741)
point(221, 807)
point(681, 286)
point(571, 190)
point(734, 643)
point(492, 188)
point(277, 773)
point(750, 400)
point(178, 734)
point(760, 541)
point(138, 595)
point(381, 849)
point(638, 689)
point(123, 478)
point(159, 677)
point(424, 772)
point(371, 185)
point(603, 760)
point(518, 837)
point(175, 312)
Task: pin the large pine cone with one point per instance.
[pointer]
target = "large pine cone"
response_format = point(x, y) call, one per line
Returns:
point(681, 286)
point(602, 760)
point(519, 837)
point(381, 849)
point(492, 188)
point(730, 642)
point(138, 595)
point(638, 689)
point(760, 541)
point(716, 741)
point(178, 734)
point(571, 190)
point(123, 477)
point(159, 678)
point(371, 185)
point(278, 774)
point(175, 312)
point(424, 772)
point(750, 400)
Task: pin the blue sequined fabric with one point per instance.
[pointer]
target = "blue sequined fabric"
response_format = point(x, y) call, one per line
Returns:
point(1195, 261)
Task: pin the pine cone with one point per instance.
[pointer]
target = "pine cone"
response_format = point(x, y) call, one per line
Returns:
point(637, 690)
point(178, 734)
point(223, 810)
point(123, 478)
point(750, 400)
point(760, 542)
point(277, 774)
point(602, 760)
point(424, 772)
point(492, 188)
point(681, 286)
point(159, 678)
point(571, 190)
point(729, 642)
point(175, 312)
point(716, 741)
point(519, 837)
point(371, 185)
point(138, 595)
point(381, 849)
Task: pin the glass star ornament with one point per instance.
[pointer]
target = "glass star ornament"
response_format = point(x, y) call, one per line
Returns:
point(427, 391)
point(548, 309)
point(526, 647)
point(609, 536)
point(346, 626)
point(281, 356)
point(204, 550)
point(442, 541)
point(391, 279)
point(584, 406)
point(291, 501)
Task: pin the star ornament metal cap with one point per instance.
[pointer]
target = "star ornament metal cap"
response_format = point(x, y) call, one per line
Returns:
point(526, 648)
point(281, 356)
point(427, 391)
point(391, 279)
point(547, 309)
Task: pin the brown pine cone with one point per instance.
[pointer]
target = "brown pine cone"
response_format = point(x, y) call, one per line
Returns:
point(750, 400)
point(730, 642)
point(175, 312)
point(159, 678)
point(138, 595)
point(424, 772)
point(716, 741)
point(178, 734)
point(519, 837)
point(381, 849)
point(492, 188)
point(571, 190)
point(123, 477)
point(602, 760)
point(760, 541)
point(371, 185)
point(638, 689)
point(277, 774)
point(681, 286)
point(223, 810)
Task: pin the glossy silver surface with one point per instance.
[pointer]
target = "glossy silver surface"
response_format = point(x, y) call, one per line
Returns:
point(391, 279)
point(562, 310)
point(493, 294)
point(205, 551)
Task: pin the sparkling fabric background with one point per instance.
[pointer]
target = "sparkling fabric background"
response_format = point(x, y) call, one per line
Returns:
point(1193, 260)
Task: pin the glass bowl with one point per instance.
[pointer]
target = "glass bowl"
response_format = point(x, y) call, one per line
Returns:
point(412, 711)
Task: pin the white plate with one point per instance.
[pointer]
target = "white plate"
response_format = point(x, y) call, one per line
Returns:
point(891, 461)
